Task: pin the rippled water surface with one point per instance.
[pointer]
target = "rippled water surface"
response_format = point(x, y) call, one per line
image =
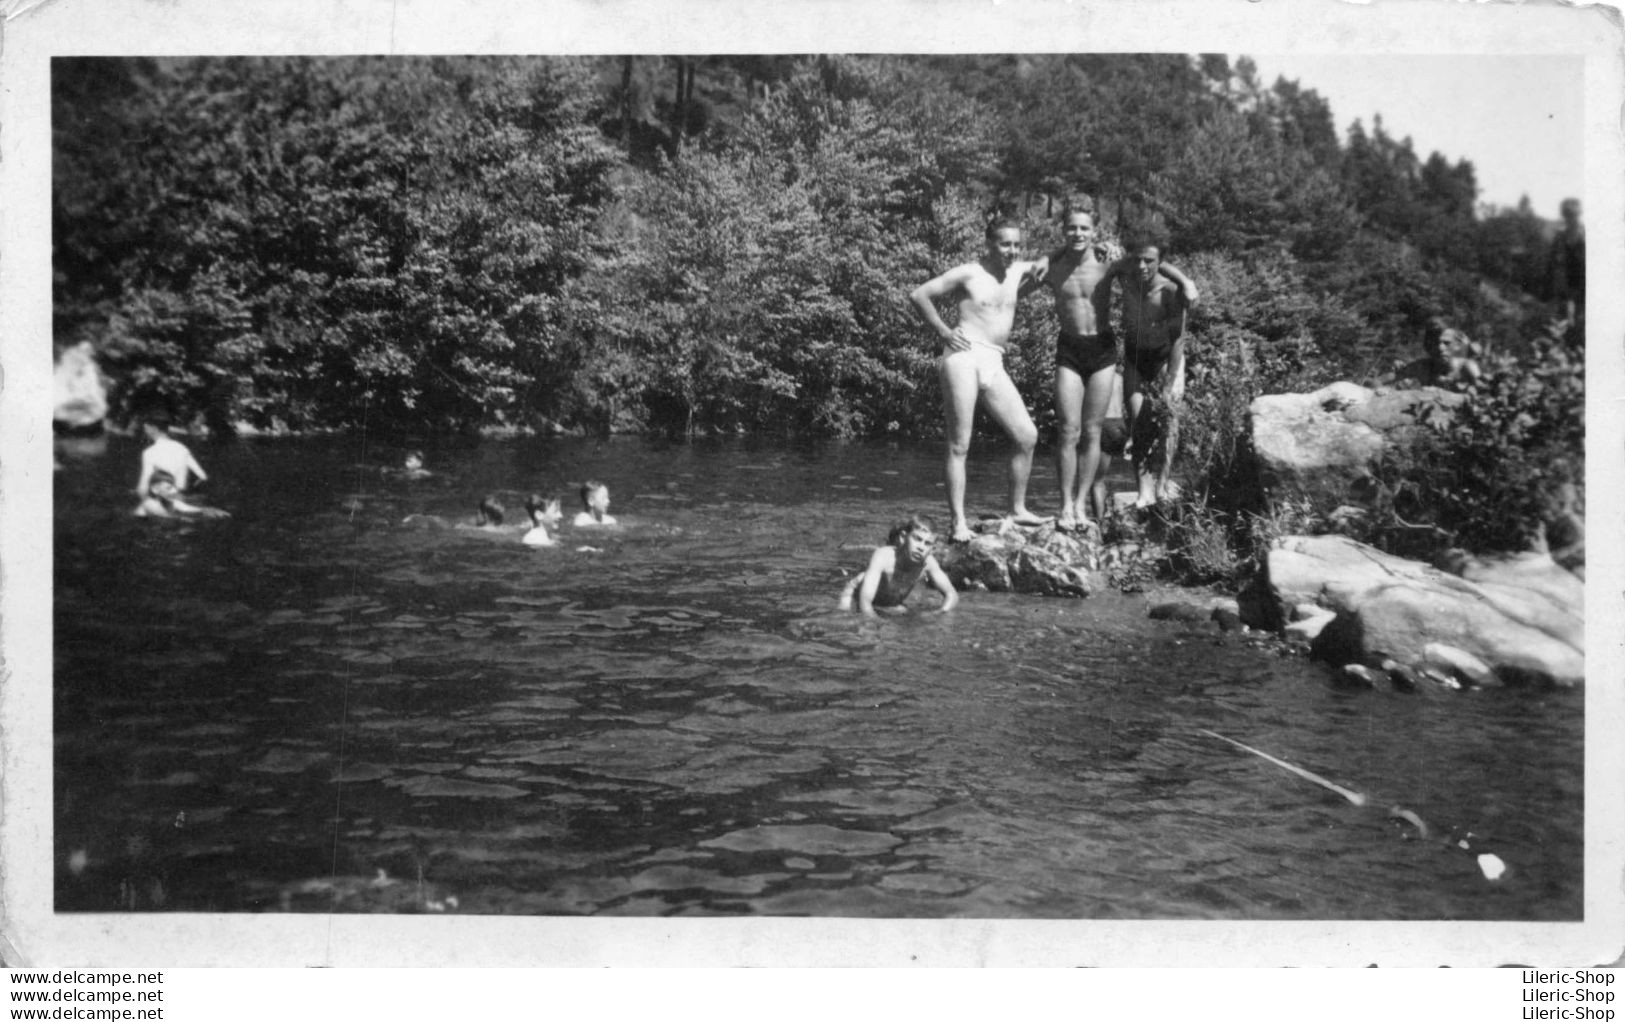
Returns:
point(312, 706)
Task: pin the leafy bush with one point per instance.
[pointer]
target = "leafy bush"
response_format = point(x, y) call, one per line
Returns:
point(1488, 476)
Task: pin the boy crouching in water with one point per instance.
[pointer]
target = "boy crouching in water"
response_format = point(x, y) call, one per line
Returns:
point(894, 570)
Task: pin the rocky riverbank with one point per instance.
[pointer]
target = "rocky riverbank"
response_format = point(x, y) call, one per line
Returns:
point(1465, 622)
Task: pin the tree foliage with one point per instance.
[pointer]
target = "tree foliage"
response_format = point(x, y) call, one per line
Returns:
point(709, 242)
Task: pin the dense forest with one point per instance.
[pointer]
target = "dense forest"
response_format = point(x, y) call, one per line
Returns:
point(715, 243)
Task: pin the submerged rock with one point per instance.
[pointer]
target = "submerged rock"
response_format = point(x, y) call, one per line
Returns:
point(1516, 620)
point(1188, 612)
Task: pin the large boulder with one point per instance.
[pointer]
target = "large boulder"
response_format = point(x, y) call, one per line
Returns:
point(80, 395)
point(1319, 570)
point(1318, 445)
point(1003, 557)
point(1522, 617)
point(983, 563)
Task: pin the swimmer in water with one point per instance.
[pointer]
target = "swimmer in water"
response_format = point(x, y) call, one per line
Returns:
point(412, 466)
point(544, 514)
point(896, 568)
point(488, 516)
point(594, 504)
point(489, 513)
point(169, 456)
point(163, 500)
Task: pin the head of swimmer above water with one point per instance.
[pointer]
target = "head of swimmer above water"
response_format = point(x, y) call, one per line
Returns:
point(595, 498)
point(489, 512)
point(914, 538)
point(161, 487)
point(543, 511)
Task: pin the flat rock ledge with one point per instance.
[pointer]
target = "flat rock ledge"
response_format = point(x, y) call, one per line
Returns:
point(1515, 620)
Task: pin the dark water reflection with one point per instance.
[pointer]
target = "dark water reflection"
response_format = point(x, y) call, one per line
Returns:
point(312, 707)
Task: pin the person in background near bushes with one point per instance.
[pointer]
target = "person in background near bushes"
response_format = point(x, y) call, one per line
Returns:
point(1153, 360)
point(1085, 360)
point(971, 367)
point(1568, 263)
point(1450, 360)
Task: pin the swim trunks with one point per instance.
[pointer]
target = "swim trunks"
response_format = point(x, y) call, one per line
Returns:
point(987, 360)
point(1085, 356)
point(1149, 363)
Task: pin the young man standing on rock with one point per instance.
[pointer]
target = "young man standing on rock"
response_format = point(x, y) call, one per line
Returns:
point(971, 367)
point(1085, 359)
point(1153, 360)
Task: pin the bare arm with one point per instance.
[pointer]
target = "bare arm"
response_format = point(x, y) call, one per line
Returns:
point(882, 561)
point(924, 299)
point(1187, 287)
point(939, 579)
point(1036, 276)
point(1101, 299)
point(1176, 370)
point(146, 473)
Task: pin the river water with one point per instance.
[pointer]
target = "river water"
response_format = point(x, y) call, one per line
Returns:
point(313, 707)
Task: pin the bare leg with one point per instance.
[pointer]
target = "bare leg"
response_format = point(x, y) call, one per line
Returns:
point(957, 373)
point(1132, 400)
point(1069, 402)
point(1170, 443)
point(1097, 395)
point(1097, 492)
point(1004, 403)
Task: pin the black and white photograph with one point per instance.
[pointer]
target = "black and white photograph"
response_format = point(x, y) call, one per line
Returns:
point(814, 488)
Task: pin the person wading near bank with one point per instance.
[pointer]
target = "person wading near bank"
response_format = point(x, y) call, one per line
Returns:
point(971, 367)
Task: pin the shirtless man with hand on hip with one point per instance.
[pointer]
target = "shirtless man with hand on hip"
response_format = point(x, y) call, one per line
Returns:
point(971, 368)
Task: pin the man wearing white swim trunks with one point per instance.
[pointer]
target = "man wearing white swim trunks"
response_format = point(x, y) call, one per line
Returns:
point(972, 364)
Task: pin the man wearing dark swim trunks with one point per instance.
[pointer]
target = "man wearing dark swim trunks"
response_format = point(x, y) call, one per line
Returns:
point(1085, 361)
point(1153, 356)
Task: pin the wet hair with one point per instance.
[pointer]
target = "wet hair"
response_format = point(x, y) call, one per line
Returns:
point(909, 526)
point(1001, 223)
point(1079, 204)
point(589, 488)
point(536, 502)
point(1146, 237)
point(490, 511)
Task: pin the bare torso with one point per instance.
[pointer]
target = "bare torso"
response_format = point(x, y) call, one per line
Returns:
point(171, 456)
point(1154, 316)
point(1072, 279)
point(987, 304)
point(897, 583)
